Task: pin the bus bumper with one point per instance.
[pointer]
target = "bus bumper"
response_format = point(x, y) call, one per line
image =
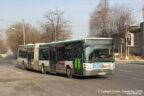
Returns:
point(95, 72)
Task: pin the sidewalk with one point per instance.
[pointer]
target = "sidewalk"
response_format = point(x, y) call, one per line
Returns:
point(130, 60)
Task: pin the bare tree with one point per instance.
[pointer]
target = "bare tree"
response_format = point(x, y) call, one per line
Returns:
point(3, 47)
point(56, 26)
point(15, 36)
point(105, 20)
point(99, 19)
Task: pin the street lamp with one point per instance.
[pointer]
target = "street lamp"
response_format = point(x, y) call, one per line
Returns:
point(23, 32)
point(126, 36)
point(129, 38)
point(55, 31)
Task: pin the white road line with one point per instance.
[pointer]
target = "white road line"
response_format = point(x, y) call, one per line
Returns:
point(141, 79)
point(124, 70)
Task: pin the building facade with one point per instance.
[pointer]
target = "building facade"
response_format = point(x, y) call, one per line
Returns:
point(138, 48)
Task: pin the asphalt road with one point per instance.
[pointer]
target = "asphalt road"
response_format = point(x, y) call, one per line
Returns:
point(128, 80)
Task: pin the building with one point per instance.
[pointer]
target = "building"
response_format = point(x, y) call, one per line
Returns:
point(138, 48)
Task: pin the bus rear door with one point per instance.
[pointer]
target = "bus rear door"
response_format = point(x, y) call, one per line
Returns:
point(29, 60)
point(52, 56)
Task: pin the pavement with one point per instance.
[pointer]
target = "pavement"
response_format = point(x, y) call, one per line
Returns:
point(127, 80)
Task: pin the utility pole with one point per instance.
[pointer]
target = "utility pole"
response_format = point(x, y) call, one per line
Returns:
point(126, 47)
point(55, 29)
point(126, 37)
point(143, 13)
point(121, 50)
point(122, 42)
point(23, 32)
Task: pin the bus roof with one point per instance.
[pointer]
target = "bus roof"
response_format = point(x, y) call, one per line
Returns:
point(66, 41)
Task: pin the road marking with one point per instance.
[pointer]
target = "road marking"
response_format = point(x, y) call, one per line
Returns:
point(19, 72)
point(138, 79)
point(67, 94)
point(36, 84)
point(124, 70)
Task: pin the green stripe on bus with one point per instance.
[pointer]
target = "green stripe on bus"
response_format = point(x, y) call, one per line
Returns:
point(77, 63)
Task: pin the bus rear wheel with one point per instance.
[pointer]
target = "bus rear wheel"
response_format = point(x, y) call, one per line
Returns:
point(43, 69)
point(68, 72)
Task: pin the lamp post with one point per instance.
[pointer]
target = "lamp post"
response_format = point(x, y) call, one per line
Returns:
point(127, 48)
point(126, 36)
point(23, 32)
point(55, 28)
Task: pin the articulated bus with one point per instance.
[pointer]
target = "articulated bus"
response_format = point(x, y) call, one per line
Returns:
point(84, 57)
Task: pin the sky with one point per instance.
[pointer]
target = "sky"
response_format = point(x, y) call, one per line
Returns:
point(77, 11)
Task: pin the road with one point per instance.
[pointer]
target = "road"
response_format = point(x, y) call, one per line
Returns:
point(127, 80)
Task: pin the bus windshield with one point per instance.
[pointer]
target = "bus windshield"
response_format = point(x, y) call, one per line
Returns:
point(99, 53)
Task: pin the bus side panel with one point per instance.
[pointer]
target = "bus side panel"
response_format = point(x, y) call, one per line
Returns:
point(46, 64)
point(60, 67)
point(36, 57)
point(70, 64)
point(20, 61)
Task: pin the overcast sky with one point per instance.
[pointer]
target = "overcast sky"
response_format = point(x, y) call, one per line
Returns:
point(77, 11)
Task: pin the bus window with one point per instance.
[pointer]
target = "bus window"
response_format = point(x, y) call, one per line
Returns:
point(68, 54)
point(43, 54)
point(22, 54)
point(60, 53)
point(77, 52)
point(64, 54)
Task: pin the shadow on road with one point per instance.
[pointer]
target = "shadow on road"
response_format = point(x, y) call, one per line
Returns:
point(17, 66)
point(92, 77)
point(64, 75)
point(137, 63)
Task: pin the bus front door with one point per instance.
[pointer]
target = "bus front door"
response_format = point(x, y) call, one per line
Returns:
point(77, 61)
point(52, 60)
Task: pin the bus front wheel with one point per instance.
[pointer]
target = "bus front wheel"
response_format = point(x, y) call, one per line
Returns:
point(43, 69)
point(68, 72)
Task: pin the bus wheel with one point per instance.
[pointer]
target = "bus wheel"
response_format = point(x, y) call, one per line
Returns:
point(68, 72)
point(23, 66)
point(43, 69)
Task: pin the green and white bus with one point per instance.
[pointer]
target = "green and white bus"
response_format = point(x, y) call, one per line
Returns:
point(83, 57)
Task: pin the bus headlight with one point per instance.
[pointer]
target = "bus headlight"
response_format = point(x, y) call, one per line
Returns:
point(112, 66)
